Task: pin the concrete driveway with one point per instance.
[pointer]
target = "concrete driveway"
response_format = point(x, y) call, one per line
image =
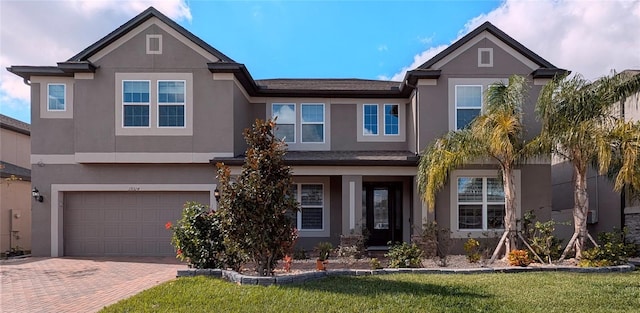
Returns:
point(78, 285)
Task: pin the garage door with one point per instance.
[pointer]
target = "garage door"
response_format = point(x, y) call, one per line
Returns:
point(122, 223)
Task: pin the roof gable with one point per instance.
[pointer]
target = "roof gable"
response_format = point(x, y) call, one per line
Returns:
point(494, 34)
point(148, 16)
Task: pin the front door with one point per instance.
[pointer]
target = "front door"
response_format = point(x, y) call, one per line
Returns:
point(383, 207)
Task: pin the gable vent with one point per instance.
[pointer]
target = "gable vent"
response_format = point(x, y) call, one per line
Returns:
point(154, 44)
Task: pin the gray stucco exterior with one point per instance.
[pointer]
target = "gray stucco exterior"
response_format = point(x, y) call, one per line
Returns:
point(88, 150)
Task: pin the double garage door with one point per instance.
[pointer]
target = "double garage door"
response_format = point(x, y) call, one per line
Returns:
point(122, 223)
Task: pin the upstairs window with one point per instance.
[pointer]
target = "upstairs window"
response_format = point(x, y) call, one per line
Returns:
point(285, 122)
point(171, 103)
point(135, 101)
point(391, 123)
point(56, 97)
point(312, 122)
point(370, 119)
point(468, 104)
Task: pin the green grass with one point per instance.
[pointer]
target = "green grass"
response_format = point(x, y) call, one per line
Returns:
point(522, 292)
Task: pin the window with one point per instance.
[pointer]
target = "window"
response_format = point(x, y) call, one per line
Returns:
point(135, 101)
point(391, 124)
point(468, 104)
point(56, 97)
point(370, 119)
point(480, 202)
point(171, 103)
point(311, 200)
point(312, 122)
point(285, 122)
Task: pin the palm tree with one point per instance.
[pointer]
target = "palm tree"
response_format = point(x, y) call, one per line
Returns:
point(580, 125)
point(497, 134)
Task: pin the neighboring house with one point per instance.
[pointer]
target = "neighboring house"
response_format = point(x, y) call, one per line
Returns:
point(607, 209)
point(130, 128)
point(15, 186)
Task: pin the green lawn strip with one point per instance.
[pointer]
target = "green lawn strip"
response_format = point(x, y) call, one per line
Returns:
point(522, 292)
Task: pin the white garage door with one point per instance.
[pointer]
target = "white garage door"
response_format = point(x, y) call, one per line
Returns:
point(122, 223)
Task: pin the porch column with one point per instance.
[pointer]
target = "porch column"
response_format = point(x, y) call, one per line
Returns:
point(352, 204)
point(421, 212)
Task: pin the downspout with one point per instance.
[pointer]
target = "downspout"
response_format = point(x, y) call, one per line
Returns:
point(26, 81)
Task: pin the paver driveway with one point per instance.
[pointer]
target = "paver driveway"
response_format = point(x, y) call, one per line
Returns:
point(78, 285)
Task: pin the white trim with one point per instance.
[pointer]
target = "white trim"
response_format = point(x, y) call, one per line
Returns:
point(183, 103)
point(384, 121)
point(128, 157)
point(53, 159)
point(44, 95)
point(352, 205)
point(480, 51)
point(154, 36)
point(153, 129)
point(453, 201)
point(57, 207)
point(64, 97)
point(428, 82)
point(143, 27)
point(323, 123)
point(310, 170)
point(364, 118)
point(457, 107)
point(485, 35)
point(326, 206)
point(83, 75)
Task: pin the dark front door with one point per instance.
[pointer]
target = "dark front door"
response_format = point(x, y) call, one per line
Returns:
point(383, 207)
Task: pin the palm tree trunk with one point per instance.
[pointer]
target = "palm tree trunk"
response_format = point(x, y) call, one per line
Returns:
point(510, 209)
point(580, 212)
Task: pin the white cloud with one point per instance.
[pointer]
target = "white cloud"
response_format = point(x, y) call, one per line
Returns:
point(587, 37)
point(26, 29)
point(382, 48)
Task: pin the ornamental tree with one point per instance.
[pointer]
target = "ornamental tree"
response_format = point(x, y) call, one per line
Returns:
point(257, 205)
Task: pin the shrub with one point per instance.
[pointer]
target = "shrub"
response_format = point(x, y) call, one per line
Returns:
point(519, 258)
point(612, 250)
point(257, 205)
point(324, 250)
point(404, 255)
point(540, 237)
point(374, 263)
point(472, 248)
point(351, 246)
point(199, 241)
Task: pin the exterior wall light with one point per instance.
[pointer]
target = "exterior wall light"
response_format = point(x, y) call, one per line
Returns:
point(216, 194)
point(35, 193)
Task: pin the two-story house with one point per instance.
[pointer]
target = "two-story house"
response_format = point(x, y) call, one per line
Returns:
point(128, 129)
point(15, 186)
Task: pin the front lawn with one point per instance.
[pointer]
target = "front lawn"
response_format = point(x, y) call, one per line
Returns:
point(522, 292)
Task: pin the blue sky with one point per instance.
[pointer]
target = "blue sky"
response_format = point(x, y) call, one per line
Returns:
point(320, 39)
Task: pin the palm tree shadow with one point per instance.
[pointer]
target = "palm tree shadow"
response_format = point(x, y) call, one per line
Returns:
point(372, 286)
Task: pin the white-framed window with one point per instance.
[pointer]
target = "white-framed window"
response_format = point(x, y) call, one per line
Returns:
point(370, 119)
point(285, 122)
point(391, 120)
point(468, 104)
point(135, 103)
point(480, 203)
point(312, 122)
point(311, 214)
point(56, 97)
point(380, 122)
point(171, 103)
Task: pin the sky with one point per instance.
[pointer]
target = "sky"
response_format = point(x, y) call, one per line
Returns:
point(326, 39)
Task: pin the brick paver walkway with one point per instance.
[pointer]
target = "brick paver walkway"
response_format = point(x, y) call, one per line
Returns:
point(78, 285)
